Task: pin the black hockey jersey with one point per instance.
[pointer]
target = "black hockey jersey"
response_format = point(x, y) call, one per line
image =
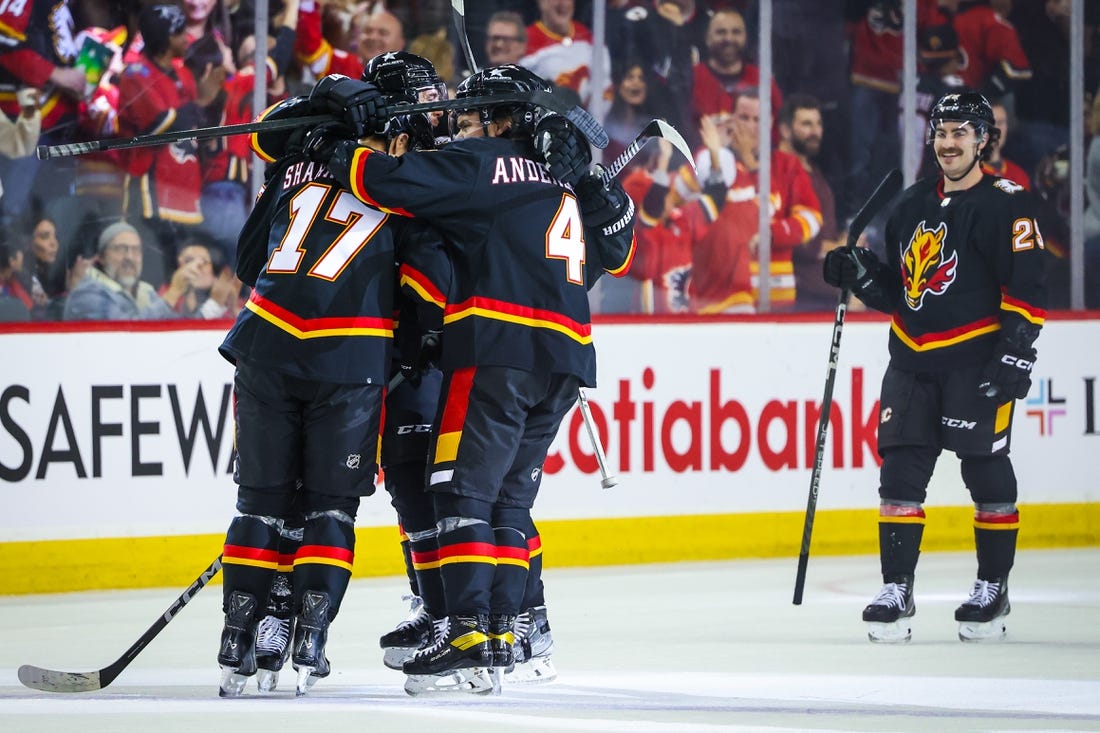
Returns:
point(322, 267)
point(963, 269)
point(517, 246)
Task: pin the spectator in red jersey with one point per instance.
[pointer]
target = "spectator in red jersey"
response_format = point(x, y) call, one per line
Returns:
point(801, 130)
point(559, 49)
point(796, 214)
point(372, 32)
point(37, 50)
point(997, 164)
point(725, 72)
point(158, 94)
point(226, 162)
point(874, 28)
point(505, 38)
point(993, 60)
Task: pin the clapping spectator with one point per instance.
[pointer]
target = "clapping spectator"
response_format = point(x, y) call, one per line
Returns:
point(112, 289)
point(206, 295)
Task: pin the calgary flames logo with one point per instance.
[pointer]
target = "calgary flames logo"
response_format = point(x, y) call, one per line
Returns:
point(923, 266)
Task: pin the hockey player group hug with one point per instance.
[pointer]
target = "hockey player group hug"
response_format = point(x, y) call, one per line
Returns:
point(426, 288)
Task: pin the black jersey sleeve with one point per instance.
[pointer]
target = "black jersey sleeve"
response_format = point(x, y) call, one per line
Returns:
point(1019, 255)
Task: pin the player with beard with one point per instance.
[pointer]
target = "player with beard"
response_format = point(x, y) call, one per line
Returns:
point(800, 132)
point(963, 282)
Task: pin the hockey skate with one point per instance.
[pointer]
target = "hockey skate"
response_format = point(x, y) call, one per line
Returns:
point(457, 661)
point(889, 613)
point(273, 635)
point(415, 632)
point(501, 640)
point(237, 652)
point(533, 649)
point(982, 616)
point(310, 637)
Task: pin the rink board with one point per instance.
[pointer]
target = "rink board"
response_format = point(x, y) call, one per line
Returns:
point(116, 447)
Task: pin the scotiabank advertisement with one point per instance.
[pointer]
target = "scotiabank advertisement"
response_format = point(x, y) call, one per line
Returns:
point(126, 433)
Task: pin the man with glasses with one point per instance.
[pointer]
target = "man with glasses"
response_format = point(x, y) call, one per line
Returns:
point(112, 289)
point(505, 38)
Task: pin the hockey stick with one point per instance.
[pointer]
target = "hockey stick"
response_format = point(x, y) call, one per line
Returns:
point(606, 480)
point(49, 680)
point(886, 190)
point(578, 116)
point(656, 128)
point(458, 8)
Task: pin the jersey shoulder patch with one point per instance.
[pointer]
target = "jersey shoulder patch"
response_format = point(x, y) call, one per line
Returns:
point(1007, 185)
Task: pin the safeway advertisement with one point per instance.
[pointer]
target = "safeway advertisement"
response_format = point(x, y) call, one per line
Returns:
point(117, 434)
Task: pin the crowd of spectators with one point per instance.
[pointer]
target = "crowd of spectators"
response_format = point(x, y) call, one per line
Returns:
point(151, 232)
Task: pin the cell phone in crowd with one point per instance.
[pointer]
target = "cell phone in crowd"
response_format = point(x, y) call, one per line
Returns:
point(93, 59)
point(202, 53)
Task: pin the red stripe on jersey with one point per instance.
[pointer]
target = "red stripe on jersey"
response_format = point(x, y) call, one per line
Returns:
point(950, 337)
point(515, 312)
point(458, 400)
point(1038, 315)
point(467, 549)
point(996, 518)
point(620, 271)
point(325, 551)
point(320, 324)
point(359, 174)
point(251, 553)
point(420, 282)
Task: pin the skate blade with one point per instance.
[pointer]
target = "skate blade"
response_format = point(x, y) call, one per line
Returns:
point(496, 676)
point(898, 632)
point(978, 631)
point(231, 683)
point(306, 680)
point(537, 671)
point(267, 680)
point(395, 657)
point(470, 681)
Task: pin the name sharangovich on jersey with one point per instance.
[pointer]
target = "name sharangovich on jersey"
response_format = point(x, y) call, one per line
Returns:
point(152, 428)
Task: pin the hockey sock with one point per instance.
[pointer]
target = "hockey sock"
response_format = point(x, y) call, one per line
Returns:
point(510, 579)
point(424, 551)
point(406, 550)
point(250, 557)
point(995, 530)
point(323, 562)
point(900, 528)
point(467, 564)
point(534, 594)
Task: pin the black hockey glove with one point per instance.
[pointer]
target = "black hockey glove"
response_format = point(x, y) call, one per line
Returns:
point(563, 148)
point(605, 207)
point(358, 103)
point(1007, 376)
point(850, 268)
point(319, 143)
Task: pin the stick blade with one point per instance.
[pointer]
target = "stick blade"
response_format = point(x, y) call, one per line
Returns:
point(49, 680)
point(670, 133)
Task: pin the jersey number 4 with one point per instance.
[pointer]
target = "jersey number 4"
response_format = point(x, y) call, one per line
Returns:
point(360, 222)
point(565, 239)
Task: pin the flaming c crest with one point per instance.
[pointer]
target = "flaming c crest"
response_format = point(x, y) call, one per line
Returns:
point(923, 266)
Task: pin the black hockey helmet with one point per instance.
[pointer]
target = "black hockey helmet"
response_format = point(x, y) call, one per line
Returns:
point(506, 79)
point(965, 106)
point(406, 77)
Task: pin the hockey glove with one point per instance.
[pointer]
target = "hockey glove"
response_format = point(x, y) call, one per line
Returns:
point(850, 268)
point(605, 207)
point(319, 143)
point(1007, 376)
point(358, 103)
point(425, 358)
point(563, 148)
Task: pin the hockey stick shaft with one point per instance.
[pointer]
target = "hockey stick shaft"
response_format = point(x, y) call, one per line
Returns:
point(458, 10)
point(578, 116)
point(885, 191)
point(606, 479)
point(49, 680)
